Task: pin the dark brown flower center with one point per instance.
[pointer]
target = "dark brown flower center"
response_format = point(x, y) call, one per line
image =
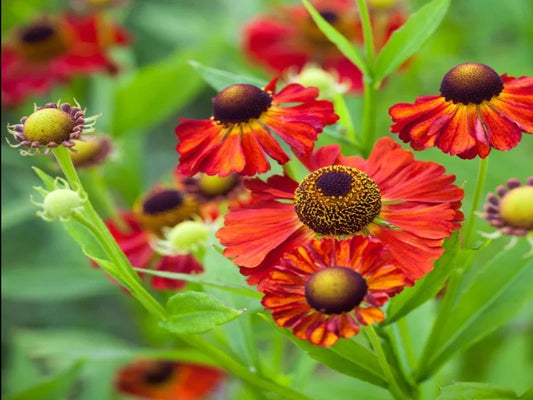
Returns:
point(240, 103)
point(330, 16)
point(471, 83)
point(159, 372)
point(42, 41)
point(337, 200)
point(37, 33)
point(162, 201)
point(334, 290)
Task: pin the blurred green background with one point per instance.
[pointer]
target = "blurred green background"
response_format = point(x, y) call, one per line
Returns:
point(55, 306)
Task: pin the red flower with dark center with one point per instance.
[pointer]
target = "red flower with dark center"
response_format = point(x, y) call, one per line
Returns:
point(52, 50)
point(477, 110)
point(323, 291)
point(238, 136)
point(409, 205)
point(167, 380)
point(288, 38)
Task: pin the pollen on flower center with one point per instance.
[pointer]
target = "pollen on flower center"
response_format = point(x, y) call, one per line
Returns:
point(516, 207)
point(159, 372)
point(334, 290)
point(337, 200)
point(48, 125)
point(471, 83)
point(240, 103)
point(162, 201)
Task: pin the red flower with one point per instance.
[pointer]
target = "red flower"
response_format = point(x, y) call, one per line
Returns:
point(410, 206)
point(167, 380)
point(185, 264)
point(237, 136)
point(288, 38)
point(476, 111)
point(325, 290)
point(51, 50)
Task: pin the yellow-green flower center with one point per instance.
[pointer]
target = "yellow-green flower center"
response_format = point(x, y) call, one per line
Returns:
point(48, 125)
point(516, 207)
point(334, 290)
point(471, 83)
point(337, 200)
point(188, 235)
point(41, 42)
point(211, 186)
point(240, 103)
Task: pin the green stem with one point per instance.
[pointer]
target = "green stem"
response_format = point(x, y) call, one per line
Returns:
point(369, 116)
point(407, 346)
point(124, 271)
point(223, 359)
point(393, 386)
point(370, 85)
point(480, 185)
point(367, 33)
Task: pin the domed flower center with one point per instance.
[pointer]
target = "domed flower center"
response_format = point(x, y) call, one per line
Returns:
point(330, 16)
point(240, 103)
point(471, 83)
point(337, 200)
point(334, 290)
point(41, 42)
point(516, 207)
point(48, 125)
point(162, 201)
point(159, 372)
point(91, 152)
point(211, 186)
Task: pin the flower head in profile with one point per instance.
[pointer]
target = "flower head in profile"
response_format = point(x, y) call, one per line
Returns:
point(135, 242)
point(51, 126)
point(510, 209)
point(410, 206)
point(51, 50)
point(287, 38)
point(476, 111)
point(93, 151)
point(239, 135)
point(324, 290)
point(167, 380)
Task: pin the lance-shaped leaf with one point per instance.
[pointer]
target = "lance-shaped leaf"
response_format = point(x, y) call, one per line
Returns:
point(197, 312)
point(405, 41)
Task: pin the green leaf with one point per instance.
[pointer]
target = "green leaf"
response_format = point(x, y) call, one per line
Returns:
point(57, 282)
point(427, 287)
point(528, 395)
point(406, 40)
point(343, 44)
point(50, 388)
point(474, 390)
point(347, 356)
point(155, 92)
point(47, 179)
point(196, 312)
point(495, 290)
point(219, 79)
point(243, 290)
